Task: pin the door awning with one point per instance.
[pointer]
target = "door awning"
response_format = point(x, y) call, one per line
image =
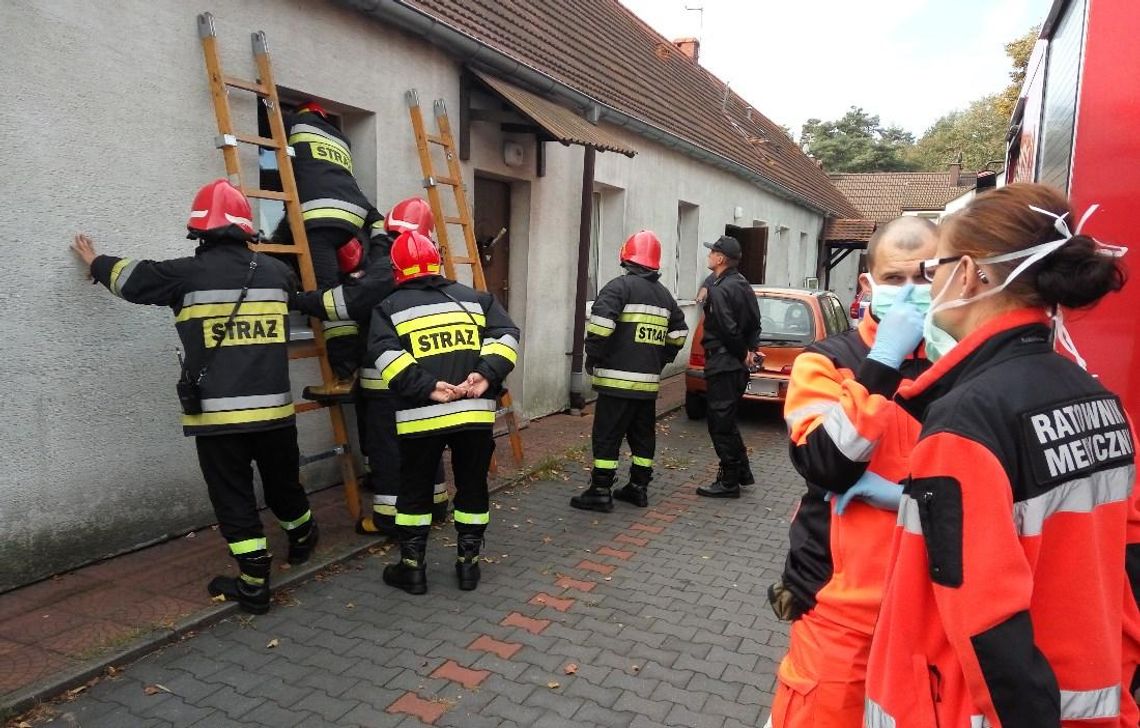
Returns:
point(559, 122)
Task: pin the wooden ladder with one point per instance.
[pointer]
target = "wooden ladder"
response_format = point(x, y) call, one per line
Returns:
point(228, 139)
point(462, 219)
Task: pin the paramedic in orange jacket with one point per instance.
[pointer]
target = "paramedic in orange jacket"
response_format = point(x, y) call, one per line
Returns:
point(841, 432)
point(1010, 601)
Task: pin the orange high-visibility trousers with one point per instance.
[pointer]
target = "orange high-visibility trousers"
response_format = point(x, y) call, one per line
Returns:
point(824, 705)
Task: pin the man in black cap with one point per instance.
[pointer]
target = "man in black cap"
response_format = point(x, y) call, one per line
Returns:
point(732, 333)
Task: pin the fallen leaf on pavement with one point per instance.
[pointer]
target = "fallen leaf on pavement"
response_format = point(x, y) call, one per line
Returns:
point(156, 689)
point(553, 685)
point(272, 643)
point(218, 598)
point(570, 669)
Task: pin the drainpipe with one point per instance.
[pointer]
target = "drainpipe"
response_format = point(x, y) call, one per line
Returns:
point(577, 376)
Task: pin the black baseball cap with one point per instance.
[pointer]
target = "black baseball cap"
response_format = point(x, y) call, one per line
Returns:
point(727, 245)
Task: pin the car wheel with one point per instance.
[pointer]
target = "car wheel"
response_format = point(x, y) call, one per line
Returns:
point(695, 405)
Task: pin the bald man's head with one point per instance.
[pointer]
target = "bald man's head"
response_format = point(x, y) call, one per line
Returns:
point(895, 249)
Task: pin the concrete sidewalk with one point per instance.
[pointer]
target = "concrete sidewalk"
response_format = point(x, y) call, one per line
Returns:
point(60, 633)
point(636, 618)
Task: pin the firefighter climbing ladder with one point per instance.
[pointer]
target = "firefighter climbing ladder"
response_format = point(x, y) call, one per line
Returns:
point(454, 180)
point(228, 139)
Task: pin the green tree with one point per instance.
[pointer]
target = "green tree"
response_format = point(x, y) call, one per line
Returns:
point(977, 133)
point(1019, 52)
point(856, 143)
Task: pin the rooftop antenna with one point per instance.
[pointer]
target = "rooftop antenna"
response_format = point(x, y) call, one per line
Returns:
point(698, 7)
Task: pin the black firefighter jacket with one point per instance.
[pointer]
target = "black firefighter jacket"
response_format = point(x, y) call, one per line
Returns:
point(330, 196)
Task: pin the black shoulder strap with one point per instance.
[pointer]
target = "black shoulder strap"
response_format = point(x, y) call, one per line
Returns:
point(212, 351)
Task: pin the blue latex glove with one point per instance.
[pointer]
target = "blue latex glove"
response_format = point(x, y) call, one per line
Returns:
point(900, 331)
point(875, 490)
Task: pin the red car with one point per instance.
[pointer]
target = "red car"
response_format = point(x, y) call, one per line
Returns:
point(791, 318)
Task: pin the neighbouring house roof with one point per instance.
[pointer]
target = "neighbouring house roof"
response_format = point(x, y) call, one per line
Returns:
point(558, 121)
point(883, 196)
point(603, 51)
point(847, 230)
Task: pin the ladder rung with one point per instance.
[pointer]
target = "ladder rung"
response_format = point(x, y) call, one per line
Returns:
point(266, 195)
point(437, 140)
point(306, 351)
point(281, 248)
point(433, 181)
point(256, 88)
point(464, 260)
point(455, 221)
point(307, 406)
point(257, 140)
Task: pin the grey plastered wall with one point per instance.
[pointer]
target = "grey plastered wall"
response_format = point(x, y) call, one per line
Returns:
point(107, 127)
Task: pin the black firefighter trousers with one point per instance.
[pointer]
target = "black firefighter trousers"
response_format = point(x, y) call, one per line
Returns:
point(226, 462)
point(376, 416)
point(342, 338)
point(724, 392)
point(420, 455)
point(624, 418)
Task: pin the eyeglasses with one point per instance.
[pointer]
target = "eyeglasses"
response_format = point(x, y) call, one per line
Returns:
point(929, 266)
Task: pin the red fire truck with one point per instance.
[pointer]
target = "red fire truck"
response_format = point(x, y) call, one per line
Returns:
point(1077, 127)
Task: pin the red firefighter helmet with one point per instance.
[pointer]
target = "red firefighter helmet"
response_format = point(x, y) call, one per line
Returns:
point(413, 213)
point(314, 107)
point(349, 256)
point(642, 248)
point(218, 207)
point(414, 255)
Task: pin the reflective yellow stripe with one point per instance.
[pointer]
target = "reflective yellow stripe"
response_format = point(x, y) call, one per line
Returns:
point(346, 329)
point(290, 525)
point(330, 305)
point(644, 318)
point(428, 268)
point(598, 330)
point(256, 581)
point(439, 319)
point(322, 213)
point(235, 417)
point(237, 548)
point(376, 384)
point(252, 308)
point(384, 509)
point(413, 519)
point(402, 362)
point(439, 497)
point(494, 347)
point(477, 417)
point(624, 384)
point(473, 519)
point(307, 138)
point(675, 342)
point(605, 464)
point(117, 271)
point(643, 462)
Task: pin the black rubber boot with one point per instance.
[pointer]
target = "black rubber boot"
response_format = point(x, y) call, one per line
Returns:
point(636, 491)
point(250, 590)
point(467, 560)
point(301, 545)
point(597, 497)
point(727, 484)
point(410, 572)
point(746, 476)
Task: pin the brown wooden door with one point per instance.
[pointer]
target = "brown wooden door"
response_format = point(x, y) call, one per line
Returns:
point(754, 251)
point(492, 223)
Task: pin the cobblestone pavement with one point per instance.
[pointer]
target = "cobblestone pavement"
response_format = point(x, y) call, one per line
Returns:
point(634, 618)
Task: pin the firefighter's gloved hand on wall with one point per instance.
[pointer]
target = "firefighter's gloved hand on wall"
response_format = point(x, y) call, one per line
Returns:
point(900, 331)
point(874, 490)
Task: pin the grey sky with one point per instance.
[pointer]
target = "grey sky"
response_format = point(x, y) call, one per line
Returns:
point(910, 61)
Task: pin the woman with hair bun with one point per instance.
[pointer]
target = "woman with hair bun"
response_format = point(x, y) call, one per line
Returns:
point(1011, 599)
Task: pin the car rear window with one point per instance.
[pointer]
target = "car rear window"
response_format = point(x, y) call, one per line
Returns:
point(786, 321)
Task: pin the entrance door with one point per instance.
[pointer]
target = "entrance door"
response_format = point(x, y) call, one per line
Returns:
point(492, 223)
point(754, 251)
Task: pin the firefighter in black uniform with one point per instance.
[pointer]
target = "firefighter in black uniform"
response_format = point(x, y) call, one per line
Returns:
point(370, 282)
point(732, 333)
point(230, 311)
point(335, 211)
point(635, 329)
point(445, 350)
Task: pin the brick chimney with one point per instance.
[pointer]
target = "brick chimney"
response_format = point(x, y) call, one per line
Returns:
point(691, 47)
point(956, 171)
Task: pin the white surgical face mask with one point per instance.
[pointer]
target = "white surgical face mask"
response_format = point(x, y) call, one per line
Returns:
point(884, 295)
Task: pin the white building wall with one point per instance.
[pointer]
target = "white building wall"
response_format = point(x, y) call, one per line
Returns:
point(109, 130)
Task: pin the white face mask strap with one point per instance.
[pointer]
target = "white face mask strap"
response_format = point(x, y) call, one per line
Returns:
point(1113, 251)
point(1062, 335)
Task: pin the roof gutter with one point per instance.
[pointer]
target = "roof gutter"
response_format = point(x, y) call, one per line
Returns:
point(483, 56)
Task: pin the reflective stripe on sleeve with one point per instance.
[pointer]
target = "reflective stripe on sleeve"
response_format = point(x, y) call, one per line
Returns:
point(677, 338)
point(370, 379)
point(391, 363)
point(504, 346)
point(336, 329)
point(335, 307)
point(600, 326)
point(120, 274)
point(845, 437)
